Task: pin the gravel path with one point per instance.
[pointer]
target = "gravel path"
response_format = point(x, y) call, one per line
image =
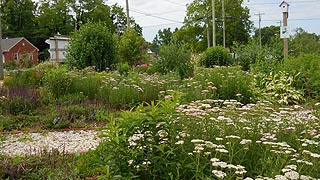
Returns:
point(34, 143)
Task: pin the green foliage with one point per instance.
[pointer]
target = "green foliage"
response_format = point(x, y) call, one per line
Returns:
point(267, 33)
point(10, 65)
point(278, 88)
point(92, 45)
point(50, 165)
point(304, 43)
point(216, 56)
point(309, 69)
point(19, 100)
point(198, 21)
point(220, 83)
point(29, 77)
point(203, 139)
point(130, 47)
point(58, 81)
point(86, 82)
point(123, 68)
point(258, 58)
point(175, 57)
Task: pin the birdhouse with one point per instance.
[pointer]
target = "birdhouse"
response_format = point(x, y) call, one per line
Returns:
point(284, 6)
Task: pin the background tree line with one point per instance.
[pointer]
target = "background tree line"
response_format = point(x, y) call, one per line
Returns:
point(37, 21)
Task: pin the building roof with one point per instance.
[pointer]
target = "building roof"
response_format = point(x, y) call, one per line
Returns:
point(7, 44)
point(284, 3)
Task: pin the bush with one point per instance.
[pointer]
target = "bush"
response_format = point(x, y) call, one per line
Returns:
point(309, 68)
point(215, 56)
point(123, 68)
point(278, 88)
point(175, 57)
point(58, 81)
point(92, 45)
point(130, 47)
point(253, 55)
point(32, 77)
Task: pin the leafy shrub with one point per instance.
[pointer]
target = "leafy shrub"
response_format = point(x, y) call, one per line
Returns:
point(309, 69)
point(278, 88)
point(175, 57)
point(92, 45)
point(130, 47)
point(32, 77)
point(10, 65)
point(123, 68)
point(58, 81)
point(215, 56)
point(252, 55)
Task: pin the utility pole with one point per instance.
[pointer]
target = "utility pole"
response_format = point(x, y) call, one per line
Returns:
point(208, 33)
point(213, 25)
point(284, 32)
point(223, 25)
point(260, 27)
point(128, 17)
point(1, 54)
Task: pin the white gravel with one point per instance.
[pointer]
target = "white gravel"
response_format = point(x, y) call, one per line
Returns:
point(34, 143)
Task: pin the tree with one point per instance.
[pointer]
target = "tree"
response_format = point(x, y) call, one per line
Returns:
point(119, 19)
point(130, 47)
point(163, 37)
point(18, 18)
point(92, 45)
point(198, 19)
point(304, 43)
point(267, 34)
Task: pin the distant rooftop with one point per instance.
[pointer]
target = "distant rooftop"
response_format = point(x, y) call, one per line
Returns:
point(6, 44)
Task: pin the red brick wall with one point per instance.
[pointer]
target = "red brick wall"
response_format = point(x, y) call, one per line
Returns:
point(23, 47)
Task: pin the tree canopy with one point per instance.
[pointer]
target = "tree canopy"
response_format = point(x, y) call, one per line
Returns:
point(198, 20)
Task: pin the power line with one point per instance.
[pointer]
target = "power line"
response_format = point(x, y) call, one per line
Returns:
point(294, 2)
point(175, 3)
point(146, 14)
point(161, 13)
point(160, 25)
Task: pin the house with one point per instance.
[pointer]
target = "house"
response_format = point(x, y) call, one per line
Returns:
point(58, 47)
point(16, 49)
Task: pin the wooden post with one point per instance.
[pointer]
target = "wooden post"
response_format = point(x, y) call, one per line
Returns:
point(1, 54)
point(213, 24)
point(285, 40)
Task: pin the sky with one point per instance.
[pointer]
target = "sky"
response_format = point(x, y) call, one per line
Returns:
point(153, 15)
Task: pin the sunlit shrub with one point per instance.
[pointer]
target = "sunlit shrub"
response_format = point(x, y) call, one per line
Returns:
point(308, 67)
point(215, 56)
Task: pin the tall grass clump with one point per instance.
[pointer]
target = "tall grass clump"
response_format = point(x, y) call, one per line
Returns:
point(220, 83)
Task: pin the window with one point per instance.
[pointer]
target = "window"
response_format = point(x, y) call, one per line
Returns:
point(31, 56)
point(16, 56)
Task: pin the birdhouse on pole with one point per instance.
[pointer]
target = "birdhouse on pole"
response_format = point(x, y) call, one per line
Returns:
point(284, 6)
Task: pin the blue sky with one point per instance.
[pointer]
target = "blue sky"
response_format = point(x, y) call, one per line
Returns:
point(153, 15)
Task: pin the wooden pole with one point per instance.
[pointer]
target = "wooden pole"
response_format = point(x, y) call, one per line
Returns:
point(1, 54)
point(213, 24)
point(285, 40)
point(128, 17)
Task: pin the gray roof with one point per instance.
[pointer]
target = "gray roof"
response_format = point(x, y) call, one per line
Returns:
point(7, 44)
